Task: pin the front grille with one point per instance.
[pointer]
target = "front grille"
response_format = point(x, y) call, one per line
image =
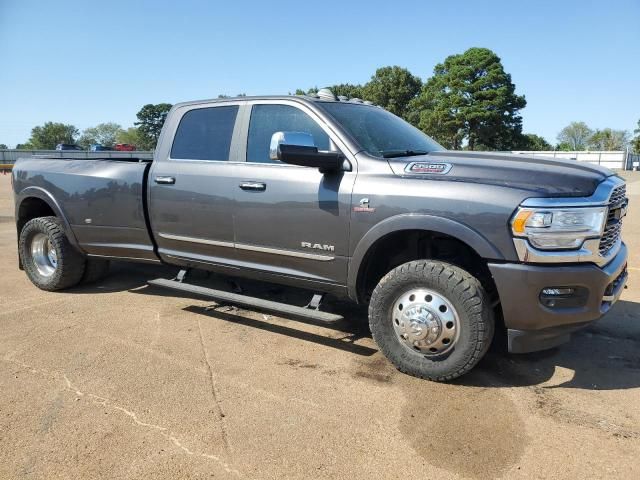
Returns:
point(618, 197)
point(610, 237)
point(613, 228)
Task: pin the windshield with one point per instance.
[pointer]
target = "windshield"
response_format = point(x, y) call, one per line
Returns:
point(379, 132)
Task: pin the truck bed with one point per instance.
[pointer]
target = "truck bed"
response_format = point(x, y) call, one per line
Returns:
point(101, 199)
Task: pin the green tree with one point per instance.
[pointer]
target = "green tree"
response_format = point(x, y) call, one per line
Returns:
point(150, 120)
point(576, 135)
point(533, 142)
point(104, 134)
point(393, 88)
point(47, 136)
point(310, 91)
point(563, 147)
point(609, 139)
point(471, 98)
point(348, 90)
point(635, 143)
point(3, 146)
point(130, 136)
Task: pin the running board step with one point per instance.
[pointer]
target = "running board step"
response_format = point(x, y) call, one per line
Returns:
point(282, 309)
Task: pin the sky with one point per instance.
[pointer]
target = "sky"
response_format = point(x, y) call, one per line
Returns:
point(87, 62)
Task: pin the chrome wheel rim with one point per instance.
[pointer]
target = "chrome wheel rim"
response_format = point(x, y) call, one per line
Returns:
point(425, 322)
point(44, 255)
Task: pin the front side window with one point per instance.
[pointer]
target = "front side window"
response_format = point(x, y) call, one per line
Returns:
point(205, 134)
point(269, 119)
point(380, 133)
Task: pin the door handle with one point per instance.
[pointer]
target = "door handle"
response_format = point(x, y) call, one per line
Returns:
point(165, 180)
point(254, 186)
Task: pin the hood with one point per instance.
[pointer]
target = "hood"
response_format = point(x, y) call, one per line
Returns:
point(546, 176)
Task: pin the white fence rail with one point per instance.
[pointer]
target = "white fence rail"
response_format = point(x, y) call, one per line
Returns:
point(615, 160)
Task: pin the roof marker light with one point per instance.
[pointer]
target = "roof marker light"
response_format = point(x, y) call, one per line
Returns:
point(326, 94)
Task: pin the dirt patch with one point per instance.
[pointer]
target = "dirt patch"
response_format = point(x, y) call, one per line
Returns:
point(293, 362)
point(550, 406)
point(303, 365)
point(378, 369)
point(475, 432)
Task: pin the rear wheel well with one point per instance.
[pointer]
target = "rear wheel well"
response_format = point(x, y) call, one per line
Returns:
point(406, 245)
point(31, 208)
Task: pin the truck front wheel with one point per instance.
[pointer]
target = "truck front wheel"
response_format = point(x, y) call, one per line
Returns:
point(431, 319)
point(49, 260)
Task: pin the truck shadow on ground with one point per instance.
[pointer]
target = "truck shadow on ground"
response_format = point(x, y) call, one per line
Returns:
point(344, 337)
point(604, 356)
point(341, 335)
point(588, 373)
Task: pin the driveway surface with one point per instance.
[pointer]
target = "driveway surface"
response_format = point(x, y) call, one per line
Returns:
point(123, 381)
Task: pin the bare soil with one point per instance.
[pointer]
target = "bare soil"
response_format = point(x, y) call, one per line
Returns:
point(122, 381)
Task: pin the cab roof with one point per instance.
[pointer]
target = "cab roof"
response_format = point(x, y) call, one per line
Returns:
point(323, 95)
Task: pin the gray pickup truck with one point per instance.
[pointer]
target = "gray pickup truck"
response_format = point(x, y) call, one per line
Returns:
point(338, 196)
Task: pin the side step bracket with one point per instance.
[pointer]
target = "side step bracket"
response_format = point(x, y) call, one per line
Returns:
point(283, 309)
point(315, 301)
point(181, 275)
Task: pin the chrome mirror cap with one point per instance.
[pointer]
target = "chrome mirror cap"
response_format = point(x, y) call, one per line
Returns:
point(299, 139)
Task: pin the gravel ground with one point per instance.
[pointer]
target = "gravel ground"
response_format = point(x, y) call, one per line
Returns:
point(119, 380)
point(6, 200)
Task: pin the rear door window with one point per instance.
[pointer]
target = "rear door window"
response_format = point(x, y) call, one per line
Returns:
point(205, 134)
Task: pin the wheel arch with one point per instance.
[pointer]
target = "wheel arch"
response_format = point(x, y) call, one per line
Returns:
point(34, 202)
point(406, 223)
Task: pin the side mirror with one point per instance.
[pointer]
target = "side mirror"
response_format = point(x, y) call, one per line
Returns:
point(298, 148)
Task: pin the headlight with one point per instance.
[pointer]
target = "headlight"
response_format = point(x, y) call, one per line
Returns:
point(558, 229)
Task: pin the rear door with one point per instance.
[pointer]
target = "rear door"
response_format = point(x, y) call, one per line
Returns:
point(192, 187)
point(292, 220)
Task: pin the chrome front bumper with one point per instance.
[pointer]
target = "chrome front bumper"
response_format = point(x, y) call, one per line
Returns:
point(588, 253)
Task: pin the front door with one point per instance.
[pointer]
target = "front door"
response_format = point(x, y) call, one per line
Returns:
point(192, 189)
point(291, 220)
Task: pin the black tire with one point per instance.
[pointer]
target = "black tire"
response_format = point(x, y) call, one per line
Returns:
point(465, 294)
point(95, 269)
point(70, 263)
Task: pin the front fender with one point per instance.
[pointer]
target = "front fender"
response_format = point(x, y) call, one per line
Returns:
point(410, 221)
point(45, 196)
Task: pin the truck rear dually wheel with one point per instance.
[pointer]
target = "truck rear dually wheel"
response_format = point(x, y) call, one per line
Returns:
point(431, 319)
point(49, 260)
